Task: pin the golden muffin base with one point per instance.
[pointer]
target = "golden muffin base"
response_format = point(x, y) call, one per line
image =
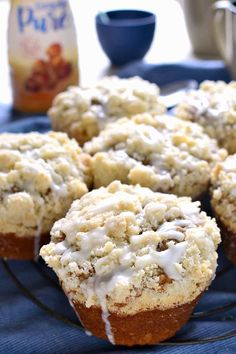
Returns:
point(146, 327)
point(20, 247)
point(229, 241)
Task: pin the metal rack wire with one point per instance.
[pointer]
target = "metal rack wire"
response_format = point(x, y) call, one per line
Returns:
point(44, 273)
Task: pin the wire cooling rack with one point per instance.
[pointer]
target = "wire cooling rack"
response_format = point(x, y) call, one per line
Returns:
point(45, 273)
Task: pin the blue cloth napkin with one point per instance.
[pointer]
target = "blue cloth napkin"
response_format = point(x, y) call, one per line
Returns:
point(163, 74)
point(25, 125)
point(27, 328)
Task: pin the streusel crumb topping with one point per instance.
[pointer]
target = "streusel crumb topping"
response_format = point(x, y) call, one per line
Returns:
point(213, 106)
point(40, 176)
point(128, 249)
point(224, 192)
point(83, 112)
point(163, 153)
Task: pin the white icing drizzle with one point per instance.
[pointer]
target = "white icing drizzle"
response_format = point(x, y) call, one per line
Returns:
point(174, 253)
point(168, 230)
point(106, 278)
point(183, 223)
point(104, 206)
point(76, 312)
point(88, 241)
point(101, 285)
point(149, 135)
point(198, 101)
point(215, 113)
point(121, 156)
point(191, 212)
point(91, 239)
point(57, 185)
point(212, 105)
point(229, 164)
point(108, 204)
point(88, 333)
point(61, 247)
point(169, 234)
point(101, 116)
point(102, 288)
point(58, 190)
point(233, 193)
point(101, 292)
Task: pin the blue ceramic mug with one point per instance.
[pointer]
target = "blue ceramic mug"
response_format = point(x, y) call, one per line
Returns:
point(125, 35)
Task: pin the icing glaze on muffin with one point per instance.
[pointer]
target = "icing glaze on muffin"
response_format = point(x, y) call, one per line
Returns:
point(224, 192)
point(127, 249)
point(163, 153)
point(214, 107)
point(40, 175)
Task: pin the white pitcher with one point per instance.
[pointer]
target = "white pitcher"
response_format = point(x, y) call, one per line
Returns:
point(225, 32)
point(199, 21)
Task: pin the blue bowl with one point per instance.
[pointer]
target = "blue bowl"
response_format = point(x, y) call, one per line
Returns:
point(125, 35)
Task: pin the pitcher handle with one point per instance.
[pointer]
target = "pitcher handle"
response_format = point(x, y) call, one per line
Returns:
point(219, 25)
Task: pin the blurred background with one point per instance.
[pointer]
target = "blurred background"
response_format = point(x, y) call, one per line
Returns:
point(170, 44)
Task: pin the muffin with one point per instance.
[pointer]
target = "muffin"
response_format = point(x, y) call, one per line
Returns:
point(40, 176)
point(223, 203)
point(163, 153)
point(83, 112)
point(133, 262)
point(214, 107)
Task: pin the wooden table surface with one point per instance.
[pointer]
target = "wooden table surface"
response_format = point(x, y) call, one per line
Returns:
point(170, 44)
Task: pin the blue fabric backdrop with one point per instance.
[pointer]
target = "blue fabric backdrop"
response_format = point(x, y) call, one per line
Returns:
point(26, 328)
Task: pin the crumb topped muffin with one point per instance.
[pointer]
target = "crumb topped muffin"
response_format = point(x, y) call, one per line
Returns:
point(224, 202)
point(163, 153)
point(83, 112)
point(40, 176)
point(214, 107)
point(126, 255)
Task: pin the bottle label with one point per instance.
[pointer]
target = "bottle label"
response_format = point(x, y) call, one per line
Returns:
point(42, 48)
point(42, 17)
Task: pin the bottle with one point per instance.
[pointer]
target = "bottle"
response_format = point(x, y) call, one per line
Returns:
point(42, 52)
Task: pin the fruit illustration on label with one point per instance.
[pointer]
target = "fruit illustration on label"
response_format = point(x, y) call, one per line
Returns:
point(46, 74)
